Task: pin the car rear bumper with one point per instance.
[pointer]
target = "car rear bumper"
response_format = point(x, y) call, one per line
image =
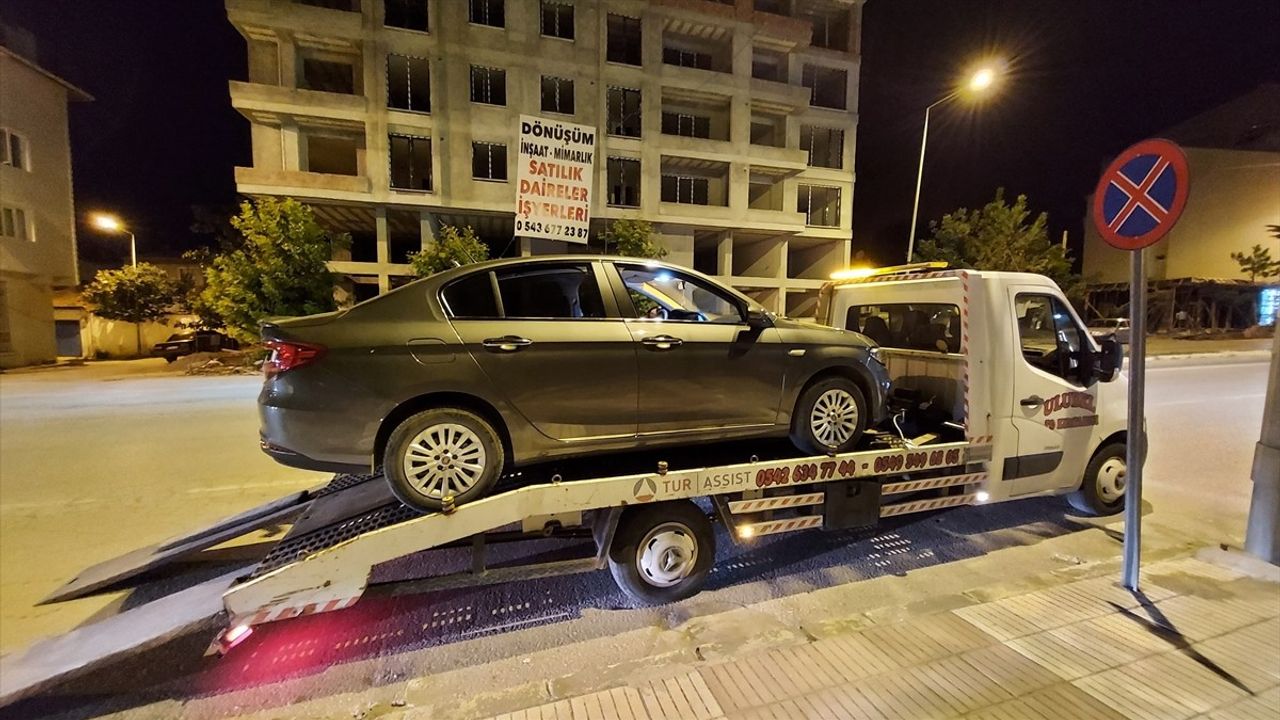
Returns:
point(293, 459)
point(328, 438)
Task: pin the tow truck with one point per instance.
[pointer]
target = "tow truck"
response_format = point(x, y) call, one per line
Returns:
point(1000, 394)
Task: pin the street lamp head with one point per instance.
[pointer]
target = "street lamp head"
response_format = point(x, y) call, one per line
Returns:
point(983, 78)
point(110, 223)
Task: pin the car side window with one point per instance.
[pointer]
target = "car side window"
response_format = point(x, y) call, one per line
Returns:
point(550, 290)
point(658, 293)
point(1050, 338)
point(471, 297)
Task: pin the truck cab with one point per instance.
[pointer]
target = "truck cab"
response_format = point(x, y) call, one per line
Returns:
point(1005, 356)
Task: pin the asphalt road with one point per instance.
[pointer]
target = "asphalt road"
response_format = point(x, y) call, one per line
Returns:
point(96, 461)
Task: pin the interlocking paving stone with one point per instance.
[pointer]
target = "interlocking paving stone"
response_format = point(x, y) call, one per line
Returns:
point(1057, 702)
point(1263, 706)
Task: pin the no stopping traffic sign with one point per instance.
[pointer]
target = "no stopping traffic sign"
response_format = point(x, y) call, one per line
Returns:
point(1141, 194)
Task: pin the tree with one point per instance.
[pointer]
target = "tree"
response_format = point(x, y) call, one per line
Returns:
point(999, 237)
point(632, 238)
point(132, 294)
point(451, 249)
point(1257, 264)
point(279, 268)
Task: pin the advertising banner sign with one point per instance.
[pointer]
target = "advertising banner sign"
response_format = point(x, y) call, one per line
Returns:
point(553, 179)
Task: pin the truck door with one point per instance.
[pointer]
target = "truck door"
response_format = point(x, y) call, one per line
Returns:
point(1053, 412)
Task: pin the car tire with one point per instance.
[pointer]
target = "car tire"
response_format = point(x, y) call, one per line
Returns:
point(170, 358)
point(442, 453)
point(830, 417)
point(1102, 489)
point(662, 553)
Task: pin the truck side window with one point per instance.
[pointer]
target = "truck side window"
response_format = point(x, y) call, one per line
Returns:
point(933, 327)
point(1050, 338)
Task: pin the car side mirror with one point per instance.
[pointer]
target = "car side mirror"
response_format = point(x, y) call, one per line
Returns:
point(758, 319)
point(1108, 360)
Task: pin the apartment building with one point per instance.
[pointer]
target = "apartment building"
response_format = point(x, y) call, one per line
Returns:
point(728, 124)
point(37, 212)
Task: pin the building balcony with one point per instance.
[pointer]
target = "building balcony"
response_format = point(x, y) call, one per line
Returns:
point(792, 160)
point(778, 96)
point(779, 220)
point(274, 19)
point(269, 103)
point(250, 181)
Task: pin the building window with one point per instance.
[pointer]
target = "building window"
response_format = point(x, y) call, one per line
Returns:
point(624, 112)
point(406, 14)
point(557, 95)
point(408, 83)
point(777, 7)
point(348, 5)
point(828, 86)
point(410, 162)
point(686, 58)
point(14, 150)
point(488, 161)
point(489, 12)
point(624, 182)
point(824, 145)
point(623, 40)
point(685, 189)
point(557, 19)
point(819, 204)
point(328, 76)
point(830, 29)
point(488, 85)
point(13, 224)
point(674, 123)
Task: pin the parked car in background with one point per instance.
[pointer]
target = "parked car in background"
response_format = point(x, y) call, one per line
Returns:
point(193, 341)
point(1106, 327)
point(446, 381)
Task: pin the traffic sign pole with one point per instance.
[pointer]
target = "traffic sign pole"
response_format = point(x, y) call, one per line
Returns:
point(1134, 448)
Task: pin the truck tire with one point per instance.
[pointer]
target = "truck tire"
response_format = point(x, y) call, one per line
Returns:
point(1102, 489)
point(662, 553)
point(830, 417)
point(441, 453)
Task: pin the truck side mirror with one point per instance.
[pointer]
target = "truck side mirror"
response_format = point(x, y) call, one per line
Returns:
point(1109, 359)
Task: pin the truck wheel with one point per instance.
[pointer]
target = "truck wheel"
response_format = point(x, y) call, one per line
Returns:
point(1102, 490)
point(440, 453)
point(662, 553)
point(830, 417)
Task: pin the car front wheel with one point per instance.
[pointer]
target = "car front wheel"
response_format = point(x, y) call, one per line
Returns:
point(831, 416)
point(442, 453)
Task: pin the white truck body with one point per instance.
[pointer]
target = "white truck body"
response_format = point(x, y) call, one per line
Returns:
point(994, 365)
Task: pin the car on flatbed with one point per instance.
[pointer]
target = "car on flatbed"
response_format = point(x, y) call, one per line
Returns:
point(446, 381)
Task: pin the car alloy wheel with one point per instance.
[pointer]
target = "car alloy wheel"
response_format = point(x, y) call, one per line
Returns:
point(667, 554)
point(443, 460)
point(834, 418)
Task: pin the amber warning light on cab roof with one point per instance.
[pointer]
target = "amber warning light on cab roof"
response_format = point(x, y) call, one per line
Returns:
point(862, 272)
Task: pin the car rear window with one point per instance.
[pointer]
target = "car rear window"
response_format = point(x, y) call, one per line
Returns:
point(910, 326)
point(471, 297)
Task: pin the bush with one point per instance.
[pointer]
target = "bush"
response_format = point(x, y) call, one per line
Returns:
point(451, 249)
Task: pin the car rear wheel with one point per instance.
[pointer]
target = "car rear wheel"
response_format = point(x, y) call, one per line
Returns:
point(831, 416)
point(443, 453)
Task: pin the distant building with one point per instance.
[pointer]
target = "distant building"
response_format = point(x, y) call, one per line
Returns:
point(1233, 154)
point(728, 124)
point(37, 213)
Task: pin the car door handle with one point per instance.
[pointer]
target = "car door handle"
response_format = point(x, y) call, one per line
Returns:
point(1031, 402)
point(662, 342)
point(506, 343)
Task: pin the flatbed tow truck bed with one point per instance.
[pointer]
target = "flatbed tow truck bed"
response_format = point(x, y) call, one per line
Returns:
point(341, 533)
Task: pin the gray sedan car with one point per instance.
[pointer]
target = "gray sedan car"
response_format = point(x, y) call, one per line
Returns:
point(446, 381)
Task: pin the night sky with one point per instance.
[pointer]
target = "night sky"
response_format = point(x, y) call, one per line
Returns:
point(1087, 78)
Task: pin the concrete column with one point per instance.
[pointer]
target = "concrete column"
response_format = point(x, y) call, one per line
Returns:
point(288, 61)
point(1261, 537)
point(428, 228)
point(292, 149)
point(739, 182)
point(384, 236)
point(724, 253)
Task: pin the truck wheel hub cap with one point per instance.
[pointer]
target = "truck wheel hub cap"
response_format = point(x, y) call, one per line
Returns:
point(667, 555)
point(1111, 479)
point(834, 418)
point(444, 459)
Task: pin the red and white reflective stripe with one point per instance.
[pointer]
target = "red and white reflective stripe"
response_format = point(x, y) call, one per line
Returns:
point(773, 527)
point(964, 341)
point(284, 613)
point(932, 483)
point(774, 503)
point(923, 505)
point(981, 439)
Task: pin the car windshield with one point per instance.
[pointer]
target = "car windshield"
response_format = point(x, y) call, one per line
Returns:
point(181, 336)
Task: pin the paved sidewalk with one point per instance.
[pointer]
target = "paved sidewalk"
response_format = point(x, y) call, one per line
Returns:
point(1202, 640)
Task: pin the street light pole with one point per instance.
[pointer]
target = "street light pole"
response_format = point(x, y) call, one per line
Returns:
point(915, 207)
point(133, 250)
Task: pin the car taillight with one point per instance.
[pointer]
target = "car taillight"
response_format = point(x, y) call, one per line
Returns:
point(287, 355)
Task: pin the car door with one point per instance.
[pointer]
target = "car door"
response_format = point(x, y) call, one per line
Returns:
point(1053, 411)
point(700, 366)
point(549, 347)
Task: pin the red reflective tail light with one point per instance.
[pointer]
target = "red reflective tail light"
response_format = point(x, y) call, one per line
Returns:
point(289, 354)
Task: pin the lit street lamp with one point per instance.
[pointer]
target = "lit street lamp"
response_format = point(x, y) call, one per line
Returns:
point(112, 224)
point(980, 82)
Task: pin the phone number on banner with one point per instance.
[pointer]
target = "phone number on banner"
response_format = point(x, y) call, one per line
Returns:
point(541, 228)
point(808, 472)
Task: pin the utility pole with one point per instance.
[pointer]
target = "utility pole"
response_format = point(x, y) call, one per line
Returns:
point(1261, 539)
